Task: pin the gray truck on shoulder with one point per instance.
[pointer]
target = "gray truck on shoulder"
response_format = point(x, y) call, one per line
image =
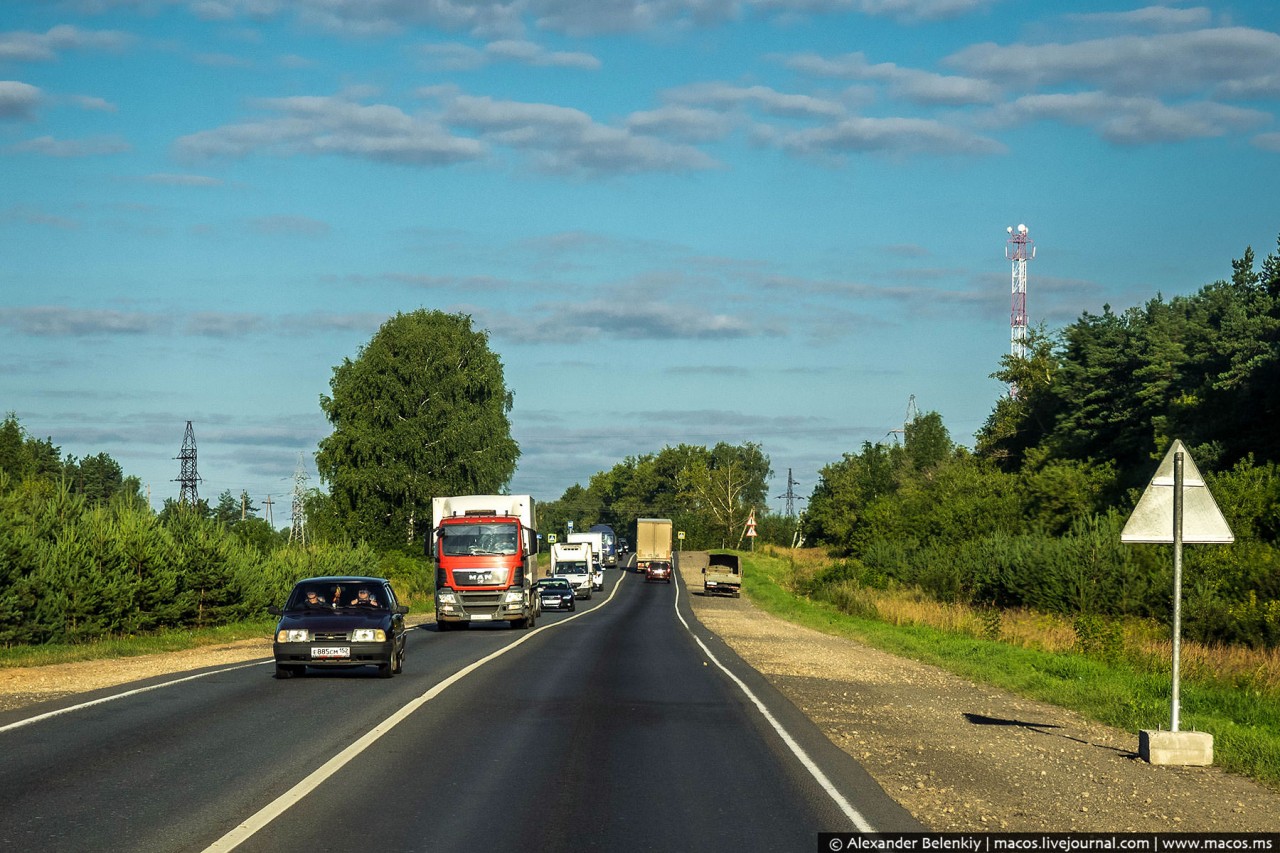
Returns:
point(722, 576)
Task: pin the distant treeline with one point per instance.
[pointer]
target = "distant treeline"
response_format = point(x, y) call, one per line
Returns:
point(83, 559)
point(1032, 516)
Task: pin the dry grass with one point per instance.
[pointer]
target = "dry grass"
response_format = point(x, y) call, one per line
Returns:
point(1143, 642)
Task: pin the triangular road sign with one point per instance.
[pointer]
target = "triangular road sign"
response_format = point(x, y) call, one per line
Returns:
point(1152, 519)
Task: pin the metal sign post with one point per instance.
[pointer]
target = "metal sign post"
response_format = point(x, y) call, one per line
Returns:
point(1176, 508)
point(1178, 463)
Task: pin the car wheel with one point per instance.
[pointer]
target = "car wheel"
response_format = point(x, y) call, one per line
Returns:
point(287, 671)
point(397, 662)
point(386, 670)
point(573, 605)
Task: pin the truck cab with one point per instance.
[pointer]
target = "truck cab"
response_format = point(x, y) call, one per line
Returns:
point(485, 549)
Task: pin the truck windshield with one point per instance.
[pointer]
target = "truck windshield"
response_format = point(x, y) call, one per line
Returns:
point(577, 568)
point(466, 540)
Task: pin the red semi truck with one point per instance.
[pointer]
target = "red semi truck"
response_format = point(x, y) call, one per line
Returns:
point(486, 553)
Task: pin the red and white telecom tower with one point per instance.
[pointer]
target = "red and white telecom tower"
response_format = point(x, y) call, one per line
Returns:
point(1019, 249)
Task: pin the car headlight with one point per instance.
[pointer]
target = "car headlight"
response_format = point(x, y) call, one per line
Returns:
point(294, 635)
point(368, 635)
point(446, 596)
point(512, 596)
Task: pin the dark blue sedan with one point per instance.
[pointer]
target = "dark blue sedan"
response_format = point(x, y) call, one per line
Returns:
point(556, 594)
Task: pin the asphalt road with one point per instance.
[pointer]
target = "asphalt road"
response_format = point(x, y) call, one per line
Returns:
point(612, 728)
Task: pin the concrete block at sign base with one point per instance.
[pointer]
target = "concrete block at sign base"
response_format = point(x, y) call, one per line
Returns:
point(1193, 749)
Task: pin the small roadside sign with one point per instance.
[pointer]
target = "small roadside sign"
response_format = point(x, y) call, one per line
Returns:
point(551, 537)
point(680, 534)
point(1152, 519)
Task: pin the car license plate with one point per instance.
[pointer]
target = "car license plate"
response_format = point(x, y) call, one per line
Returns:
point(320, 652)
point(482, 617)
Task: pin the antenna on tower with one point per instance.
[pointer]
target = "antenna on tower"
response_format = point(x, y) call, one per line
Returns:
point(298, 532)
point(188, 479)
point(1019, 249)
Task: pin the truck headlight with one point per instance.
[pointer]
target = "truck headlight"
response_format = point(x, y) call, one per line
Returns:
point(368, 635)
point(513, 596)
point(294, 635)
point(446, 596)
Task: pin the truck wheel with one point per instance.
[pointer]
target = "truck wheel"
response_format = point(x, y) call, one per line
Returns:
point(517, 623)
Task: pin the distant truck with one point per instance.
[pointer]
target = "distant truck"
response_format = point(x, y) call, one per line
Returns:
point(573, 562)
point(722, 576)
point(594, 539)
point(653, 542)
point(608, 545)
point(486, 555)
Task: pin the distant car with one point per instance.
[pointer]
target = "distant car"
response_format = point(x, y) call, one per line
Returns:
point(344, 621)
point(657, 570)
point(556, 594)
point(623, 547)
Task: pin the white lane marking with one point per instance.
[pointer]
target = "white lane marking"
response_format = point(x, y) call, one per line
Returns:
point(850, 812)
point(29, 720)
point(281, 804)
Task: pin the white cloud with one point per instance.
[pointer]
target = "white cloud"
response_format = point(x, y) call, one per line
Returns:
point(1268, 142)
point(18, 100)
point(329, 125)
point(911, 84)
point(682, 123)
point(1149, 17)
point(60, 321)
point(18, 46)
point(899, 136)
point(461, 57)
point(89, 147)
point(1228, 57)
point(1131, 120)
point(566, 140)
point(767, 100)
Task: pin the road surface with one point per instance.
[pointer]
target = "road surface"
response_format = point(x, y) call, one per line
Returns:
point(624, 727)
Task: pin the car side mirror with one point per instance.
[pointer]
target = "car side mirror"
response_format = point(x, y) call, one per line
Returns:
point(401, 609)
point(275, 610)
point(704, 570)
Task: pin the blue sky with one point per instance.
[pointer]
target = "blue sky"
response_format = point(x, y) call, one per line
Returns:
point(680, 220)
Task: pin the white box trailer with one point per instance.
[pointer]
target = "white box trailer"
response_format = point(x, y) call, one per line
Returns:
point(653, 541)
point(574, 562)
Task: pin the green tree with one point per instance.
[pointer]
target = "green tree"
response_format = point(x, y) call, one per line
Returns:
point(422, 411)
point(725, 486)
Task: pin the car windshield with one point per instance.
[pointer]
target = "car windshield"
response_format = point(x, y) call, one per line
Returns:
point(575, 568)
point(556, 585)
point(328, 596)
point(464, 540)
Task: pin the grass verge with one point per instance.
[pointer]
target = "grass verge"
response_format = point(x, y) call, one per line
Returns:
point(172, 640)
point(1126, 695)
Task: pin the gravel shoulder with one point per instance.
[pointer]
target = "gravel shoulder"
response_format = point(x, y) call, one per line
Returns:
point(959, 756)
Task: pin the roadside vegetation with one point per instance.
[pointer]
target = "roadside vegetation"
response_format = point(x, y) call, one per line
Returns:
point(1117, 673)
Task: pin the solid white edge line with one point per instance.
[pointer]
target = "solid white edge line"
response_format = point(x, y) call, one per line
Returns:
point(281, 804)
point(29, 720)
point(20, 723)
point(803, 757)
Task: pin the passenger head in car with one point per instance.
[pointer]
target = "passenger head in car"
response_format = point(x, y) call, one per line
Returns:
point(364, 598)
point(313, 599)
